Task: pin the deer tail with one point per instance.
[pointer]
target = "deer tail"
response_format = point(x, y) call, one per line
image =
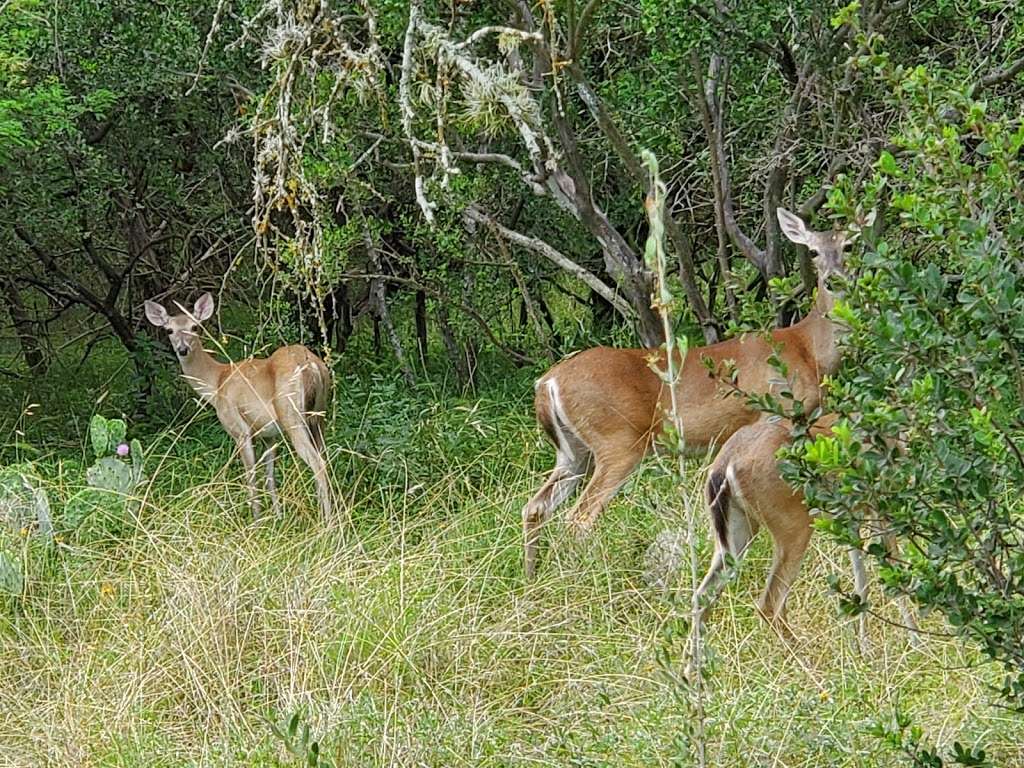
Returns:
point(718, 495)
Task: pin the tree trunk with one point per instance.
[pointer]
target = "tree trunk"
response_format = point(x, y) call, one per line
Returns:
point(421, 326)
point(451, 346)
point(24, 328)
point(342, 316)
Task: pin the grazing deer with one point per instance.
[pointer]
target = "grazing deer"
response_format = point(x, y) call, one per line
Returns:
point(603, 408)
point(258, 398)
point(745, 491)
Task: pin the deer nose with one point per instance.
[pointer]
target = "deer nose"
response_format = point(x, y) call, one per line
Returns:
point(183, 351)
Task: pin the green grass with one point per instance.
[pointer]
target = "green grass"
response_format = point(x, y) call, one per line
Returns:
point(403, 631)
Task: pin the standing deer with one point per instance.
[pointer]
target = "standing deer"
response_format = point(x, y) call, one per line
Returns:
point(745, 491)
point(603, 408)
point(258, 398)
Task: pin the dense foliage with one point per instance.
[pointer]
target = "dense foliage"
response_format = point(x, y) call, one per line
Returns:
point(933, 384)
point(445, 197)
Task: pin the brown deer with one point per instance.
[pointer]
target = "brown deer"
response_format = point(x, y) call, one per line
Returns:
point(745, 492)
point(258, 398)
point(603, 408)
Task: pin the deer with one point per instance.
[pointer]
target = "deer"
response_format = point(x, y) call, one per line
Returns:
point(744, 492)
point(603, 408)
point(257, 398)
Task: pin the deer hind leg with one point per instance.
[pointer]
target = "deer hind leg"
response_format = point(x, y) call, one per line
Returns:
point(571, 462)
point(293, 422)
point(306, 449)
point(610, 471)
point(739, 531)
point(269, 456)
point(316, 432)
point(789, 554)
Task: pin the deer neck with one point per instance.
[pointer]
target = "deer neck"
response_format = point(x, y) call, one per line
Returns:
point(203, 373)
point(822, 333)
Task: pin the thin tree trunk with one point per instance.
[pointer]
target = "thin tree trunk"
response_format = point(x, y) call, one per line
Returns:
point(421, 326)
point(384, 315)
point(380, 305)
point(451, 346)
point(24, 328)
point(528, 307)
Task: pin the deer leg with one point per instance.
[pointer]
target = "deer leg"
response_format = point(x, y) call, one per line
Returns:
point(304, 446)
point(741, 530)
point(307, 442)
point(316, 432)
point(559, 485)
point(248, 455)
point(609, 475)
point(268, 464)
point(789, 554)
point(860, 588)
point(906, 606)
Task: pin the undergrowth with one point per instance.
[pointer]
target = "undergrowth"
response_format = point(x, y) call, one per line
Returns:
point(402, 633)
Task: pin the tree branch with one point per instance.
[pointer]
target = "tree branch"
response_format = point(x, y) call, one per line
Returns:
point(474, 215)
point(998, 76)
point(710, 105)
point(405, 107)
point(628, 157)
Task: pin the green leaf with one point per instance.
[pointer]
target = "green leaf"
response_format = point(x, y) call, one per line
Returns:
point(887, 164)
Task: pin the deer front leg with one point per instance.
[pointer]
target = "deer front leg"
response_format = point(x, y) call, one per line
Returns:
point(245, 450)
point(860, 587)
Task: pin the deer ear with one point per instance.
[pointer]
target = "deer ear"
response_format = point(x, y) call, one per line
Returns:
point(793, 227)
point(204, 308)
point(156, 314)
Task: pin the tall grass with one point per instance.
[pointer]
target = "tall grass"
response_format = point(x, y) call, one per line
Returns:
point(405, 636)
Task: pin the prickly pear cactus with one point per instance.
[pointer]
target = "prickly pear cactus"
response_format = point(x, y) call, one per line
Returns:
point(11, 578)
point(101, 510)
point(25, 524)
point(24, 503)
point(111, 474)
point(106, 434)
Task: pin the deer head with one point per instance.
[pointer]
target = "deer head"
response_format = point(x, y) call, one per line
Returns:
point(181, 328)
point(827, 246)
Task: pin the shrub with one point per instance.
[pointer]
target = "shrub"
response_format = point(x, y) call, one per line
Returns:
point(932, 362)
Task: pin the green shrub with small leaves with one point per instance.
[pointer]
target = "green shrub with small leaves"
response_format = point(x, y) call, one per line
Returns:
point(932, 385)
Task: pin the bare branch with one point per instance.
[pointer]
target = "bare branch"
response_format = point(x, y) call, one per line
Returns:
point(499, 30)
point(999, 76)
point(405, 107)
point(474, 215)
point(444, 298)
point(710, 105)
point(628, 157)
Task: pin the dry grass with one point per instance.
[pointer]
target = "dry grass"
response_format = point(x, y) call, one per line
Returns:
point(405, 636)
